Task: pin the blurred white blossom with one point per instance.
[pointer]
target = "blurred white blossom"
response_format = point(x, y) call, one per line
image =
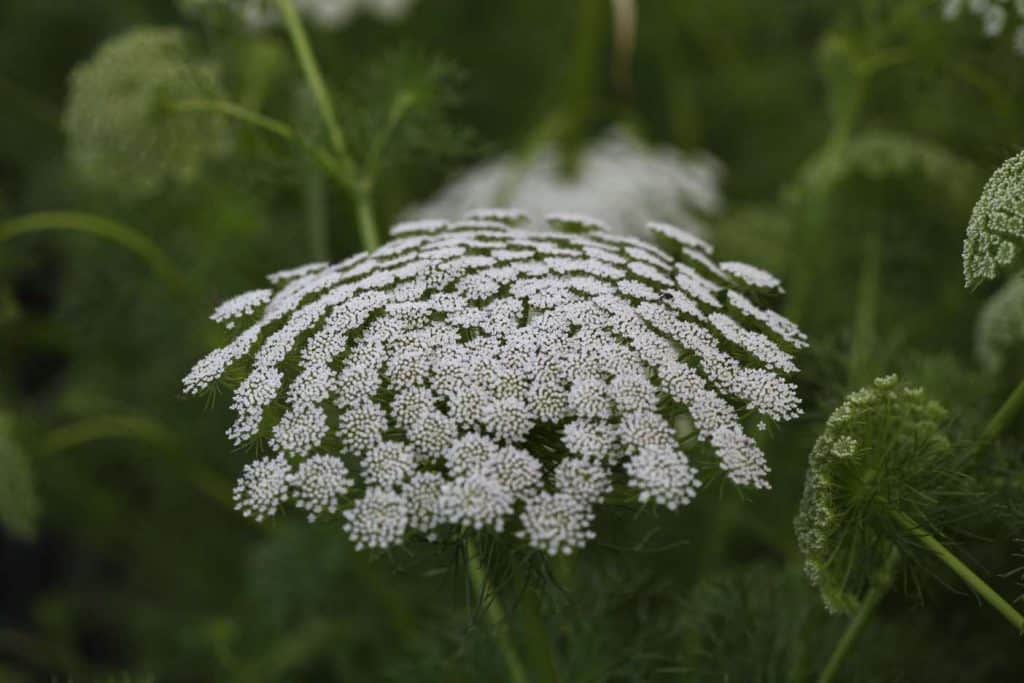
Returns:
point(326, 14)
point(999, 330)
point(478, 375)
point(995, 17)
point(619, 179)
point(123, 133)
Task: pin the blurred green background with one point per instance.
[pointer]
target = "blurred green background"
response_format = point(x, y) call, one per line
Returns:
point(854, 134)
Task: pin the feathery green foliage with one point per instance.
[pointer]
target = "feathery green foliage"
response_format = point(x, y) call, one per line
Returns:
point(401, 111)
point(761, 625)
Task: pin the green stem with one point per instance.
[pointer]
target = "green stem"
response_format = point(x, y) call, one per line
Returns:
point(495, 614)
point(314, 193)
point(977, 584)
point(879, 587)
point(331, 166)
point(585, 75)
point(98, 226)
point(237, 112)
point(314, 77)
point(365, 221)
point(1004, 416)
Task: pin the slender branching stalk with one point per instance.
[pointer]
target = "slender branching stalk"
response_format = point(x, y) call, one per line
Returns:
point(365, 220)
point(494, 614)
point(236, 111)
point(360, 190)
point(977, 584)
point(879, 587)
point(314, 77)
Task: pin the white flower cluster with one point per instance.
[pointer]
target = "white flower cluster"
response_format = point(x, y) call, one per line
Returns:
point(619, 179)
point(995, 16)
point(326, 14)
point(999, 330)
point(469, 373)
point(996, 225)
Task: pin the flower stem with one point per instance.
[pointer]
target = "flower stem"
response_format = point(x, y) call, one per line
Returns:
point(345, 171)
point(237, 112)
point(314, 77)
point(494, 613)
point(1004, 416)
point(977, 584)
point(365, 221)
point(879, 587)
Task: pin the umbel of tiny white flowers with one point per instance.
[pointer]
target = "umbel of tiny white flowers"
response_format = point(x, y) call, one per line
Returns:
point(121, 135)
point(325, 14)
point(617, 178)
point(471, 374)
point(995, 17)
point(883, 451)
point(996, 226)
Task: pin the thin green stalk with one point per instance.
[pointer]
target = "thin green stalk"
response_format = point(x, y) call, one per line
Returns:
point(237, 112)
point(495, 614)
point(345, 170)
point(314, 77)
point(105, 228)
point(314, 192)
point(1003, 417)
point(365, 220)
point(977, 584)
point(330, 165)
point(879, 587)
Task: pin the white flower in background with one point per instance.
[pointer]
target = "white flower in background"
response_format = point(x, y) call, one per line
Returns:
point(1000, 326)
point(995, 16)
point(325, 14)
point(620, 180)
point(472, 374)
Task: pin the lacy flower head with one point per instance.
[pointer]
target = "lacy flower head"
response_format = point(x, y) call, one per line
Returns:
point(472, 374)
point(325, 14)
point(882, 451)
point(997, 224)
point(618, 179)
point(122, 135)
point(996, 17)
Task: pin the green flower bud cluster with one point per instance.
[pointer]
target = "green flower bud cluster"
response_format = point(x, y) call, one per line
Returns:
point(883, 451)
